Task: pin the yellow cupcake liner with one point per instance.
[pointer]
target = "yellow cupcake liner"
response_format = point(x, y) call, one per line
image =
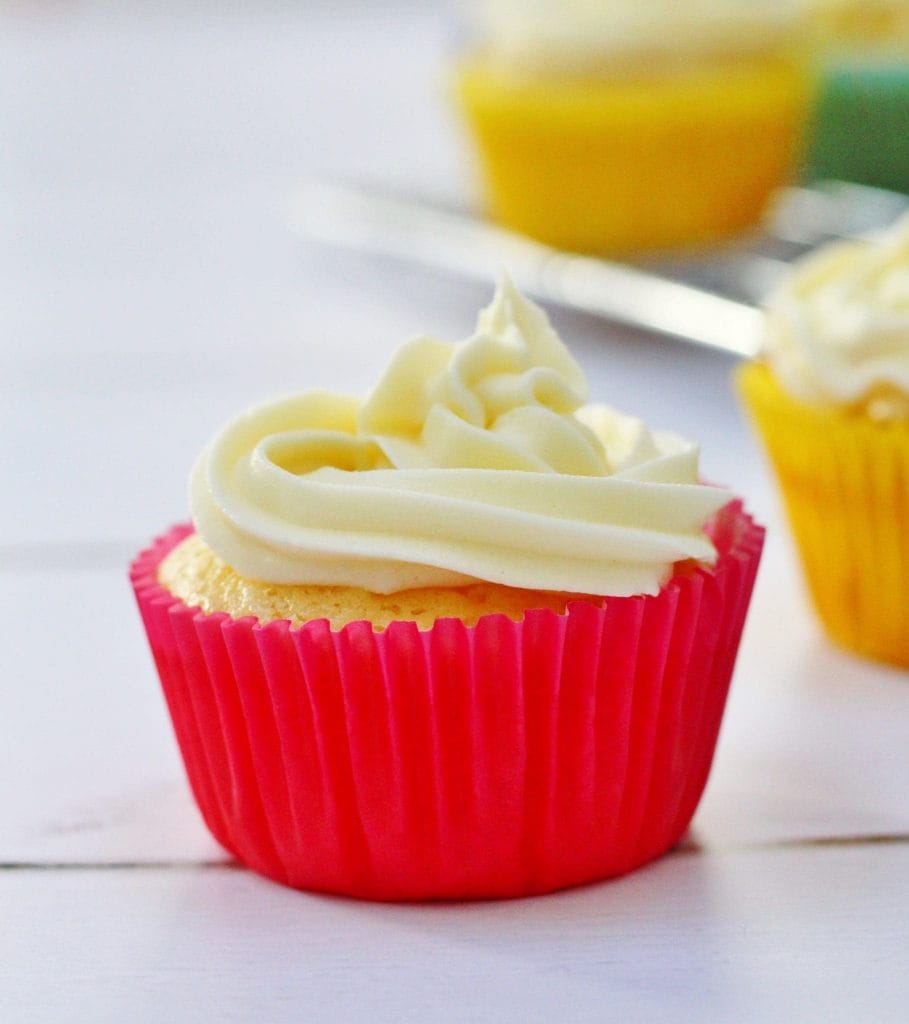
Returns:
point(643, 163)
point(845, 482)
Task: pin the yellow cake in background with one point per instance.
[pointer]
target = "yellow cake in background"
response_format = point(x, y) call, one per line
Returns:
point(620, 127)
point(872, 26)
point(466, 636)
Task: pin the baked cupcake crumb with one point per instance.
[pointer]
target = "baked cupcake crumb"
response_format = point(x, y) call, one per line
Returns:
point(196, 575)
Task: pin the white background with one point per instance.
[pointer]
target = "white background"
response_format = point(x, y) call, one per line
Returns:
point(150, 288)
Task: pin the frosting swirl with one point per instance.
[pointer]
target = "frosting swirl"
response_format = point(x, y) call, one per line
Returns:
point(473, 461)
point(590, 36)
point(837, 332)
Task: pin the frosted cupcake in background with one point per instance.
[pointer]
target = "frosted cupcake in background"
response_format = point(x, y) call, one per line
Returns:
point(860, 130)
point(831, 403)
point(467, 636)
point(626, 126)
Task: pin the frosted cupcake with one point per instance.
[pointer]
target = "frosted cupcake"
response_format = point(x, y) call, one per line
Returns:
point(464, 637)
point(831, 402)
point(860, 130)
point(627, 126)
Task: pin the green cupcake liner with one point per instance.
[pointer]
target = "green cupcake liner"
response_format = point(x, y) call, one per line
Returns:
point(860, 130)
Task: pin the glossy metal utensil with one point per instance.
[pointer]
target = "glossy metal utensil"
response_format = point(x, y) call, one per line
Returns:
point(659, 300)
point(349, 217)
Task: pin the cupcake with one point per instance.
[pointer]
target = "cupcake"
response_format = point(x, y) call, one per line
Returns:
point(465, 637)
point(860, 128)
point(831, 402)
point(621, 127)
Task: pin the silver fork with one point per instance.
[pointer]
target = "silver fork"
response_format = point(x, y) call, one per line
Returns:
point(797, 221)
point(708, 298)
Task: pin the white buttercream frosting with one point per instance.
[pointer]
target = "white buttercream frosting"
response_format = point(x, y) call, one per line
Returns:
point(587, 36)
point(470, 461)
point(837, 332)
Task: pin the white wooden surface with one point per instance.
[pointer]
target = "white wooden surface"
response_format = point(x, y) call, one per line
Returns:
point(148, 289)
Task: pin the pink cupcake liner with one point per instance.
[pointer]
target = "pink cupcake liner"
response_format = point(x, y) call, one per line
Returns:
point(498, 760)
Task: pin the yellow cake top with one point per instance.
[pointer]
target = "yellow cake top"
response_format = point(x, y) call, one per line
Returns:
point(469, 461)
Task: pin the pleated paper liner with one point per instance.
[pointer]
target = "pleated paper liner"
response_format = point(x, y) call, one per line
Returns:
point(845, 482)
point(503, 759)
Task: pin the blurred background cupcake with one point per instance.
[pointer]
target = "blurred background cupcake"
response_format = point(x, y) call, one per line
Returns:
point(830, 401)
point(860, 130)
point(626, 126)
